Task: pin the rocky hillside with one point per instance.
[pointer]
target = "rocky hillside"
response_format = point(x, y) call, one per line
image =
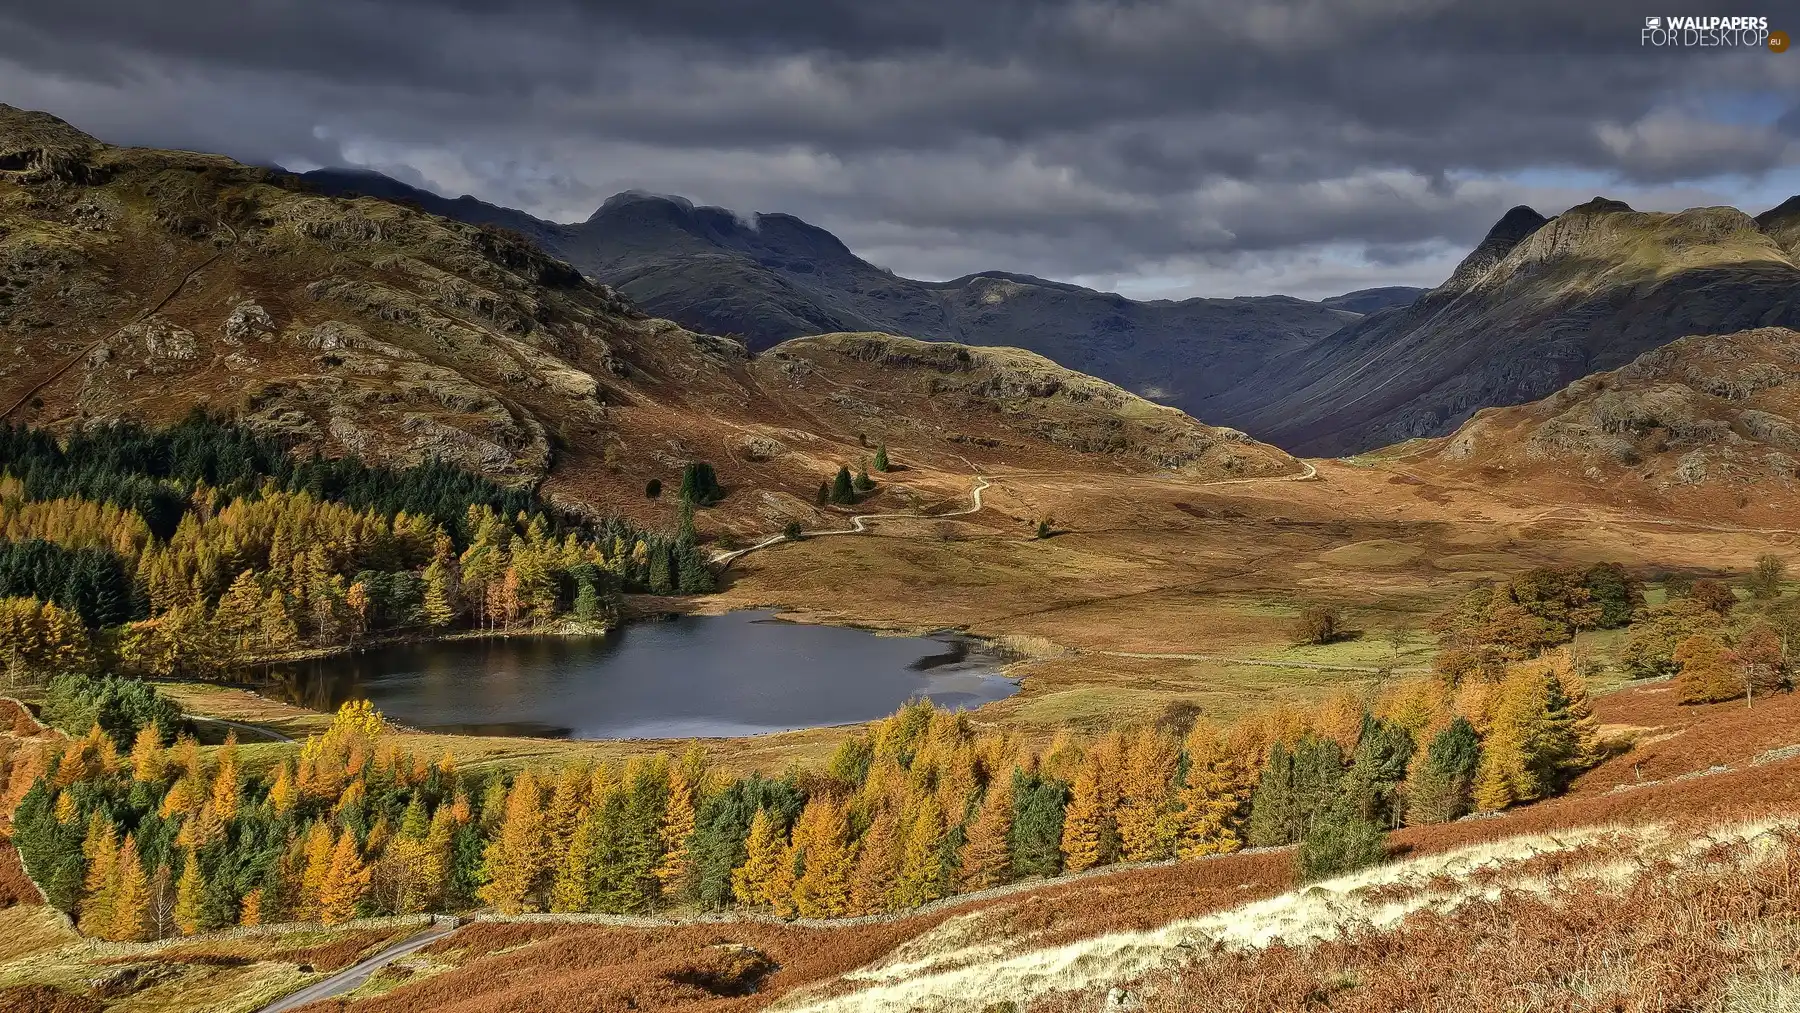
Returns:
point(769, 277)
point(138, 282)
point(1539, 304)
point(1708, 419)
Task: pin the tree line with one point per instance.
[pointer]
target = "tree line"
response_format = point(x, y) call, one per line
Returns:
point(192, 549)
point(1716, 644)
point(137, 837)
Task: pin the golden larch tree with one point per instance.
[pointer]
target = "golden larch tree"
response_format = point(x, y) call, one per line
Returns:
point(1145, 830)
point(765, 850)
point(987, 856)
point(1212, 800)
point(346, 881)
point(1082, 822)
point(147, 754)
point(822, 852)
point(190, 892)
point(516, 858)
point(101, 849)
point(131, 897)
point(921, 878)
point(877, 864)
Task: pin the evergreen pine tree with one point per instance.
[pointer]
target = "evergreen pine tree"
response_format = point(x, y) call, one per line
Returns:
point(842, 492)
point(1037, 824)
point(881, 457)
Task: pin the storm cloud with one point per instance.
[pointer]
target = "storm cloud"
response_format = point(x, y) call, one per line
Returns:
point(1162, 148)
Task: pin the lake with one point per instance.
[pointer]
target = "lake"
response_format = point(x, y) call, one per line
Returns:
point(742, 673)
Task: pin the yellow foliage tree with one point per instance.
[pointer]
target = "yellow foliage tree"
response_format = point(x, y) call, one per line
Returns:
point(131, 897)
point(877, 864)
point(101, 849)
point(190, 891)
point(226, 780)
point(759, 879)
point(314, 870)
point(1213, 798)
point(147, 754)
point(346, 880)
point(986, 855)
point(1145, 830)
point(516, 858)
point(921, 879)
point(822, 852)
point(676, 870)
point(569, 888)
point(1082, 822)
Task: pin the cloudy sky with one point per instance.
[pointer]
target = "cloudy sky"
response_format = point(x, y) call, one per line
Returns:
point(1163, 148)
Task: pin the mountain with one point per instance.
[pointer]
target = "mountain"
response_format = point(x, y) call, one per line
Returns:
point(143, 283)
point(1374, 300)
point(1707, 422)
point(769, 277)
point(1537, 305)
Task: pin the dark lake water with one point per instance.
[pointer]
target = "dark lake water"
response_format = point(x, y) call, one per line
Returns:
point(742, 673)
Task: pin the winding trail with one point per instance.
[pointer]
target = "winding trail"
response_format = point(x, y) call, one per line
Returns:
point(859, 522)
point(352, 977)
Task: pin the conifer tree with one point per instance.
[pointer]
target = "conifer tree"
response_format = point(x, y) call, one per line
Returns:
point(516, 858)
point(147, 754)
point(1145, 829)
point(250, 912)
point(823, 496)
point(842, 491)
point(131, 897)
point(881, 457)
point(1037, 825)
point(1081, 831)
point(1212, 800)
point(189, 891)
point(921, 878)
point(225, 785)
point(346, 880)
point(877, 865)
point(822, 852)
point(101, 848)
point(755, 881)
point(1440, 788)
point(676, 871)
point(316, 866)
point(987, 855)
point(569, 886)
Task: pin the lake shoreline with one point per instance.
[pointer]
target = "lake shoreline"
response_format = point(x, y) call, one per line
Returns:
point(738, 673)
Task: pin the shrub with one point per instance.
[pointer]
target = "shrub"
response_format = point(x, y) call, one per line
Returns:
point(791, 531)
point(653, 488)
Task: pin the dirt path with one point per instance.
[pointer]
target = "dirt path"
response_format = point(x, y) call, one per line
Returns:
point(859, 522)
point(268, 734)
point(1316, 666)
point(352, 977)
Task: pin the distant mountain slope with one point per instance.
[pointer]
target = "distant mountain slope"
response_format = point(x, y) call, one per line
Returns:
point(142, 283)
point(770, 277)
point(1540, 303)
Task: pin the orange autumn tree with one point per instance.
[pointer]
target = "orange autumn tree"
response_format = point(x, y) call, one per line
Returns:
point(1709, 671)
point(1211, 802)
point(822, 852)
point(516, 858)
point(986, 858)
point(1146, 831)
point(1082, 829)
point(346, 880)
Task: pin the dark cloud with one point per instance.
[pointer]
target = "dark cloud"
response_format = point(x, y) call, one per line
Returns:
point(1220, 145)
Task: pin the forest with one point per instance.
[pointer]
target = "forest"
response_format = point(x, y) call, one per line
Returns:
point(190, 550)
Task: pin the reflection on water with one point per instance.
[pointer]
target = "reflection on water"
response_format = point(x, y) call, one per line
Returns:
point(742, 673)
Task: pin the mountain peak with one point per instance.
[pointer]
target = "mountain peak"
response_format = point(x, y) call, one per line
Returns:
point(1787, 210)
point(1599, 206)
point(1511, 230)
point(626, 198)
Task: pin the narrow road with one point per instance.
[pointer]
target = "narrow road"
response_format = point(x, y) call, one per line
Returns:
point(266, 734)
point(352, 977)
